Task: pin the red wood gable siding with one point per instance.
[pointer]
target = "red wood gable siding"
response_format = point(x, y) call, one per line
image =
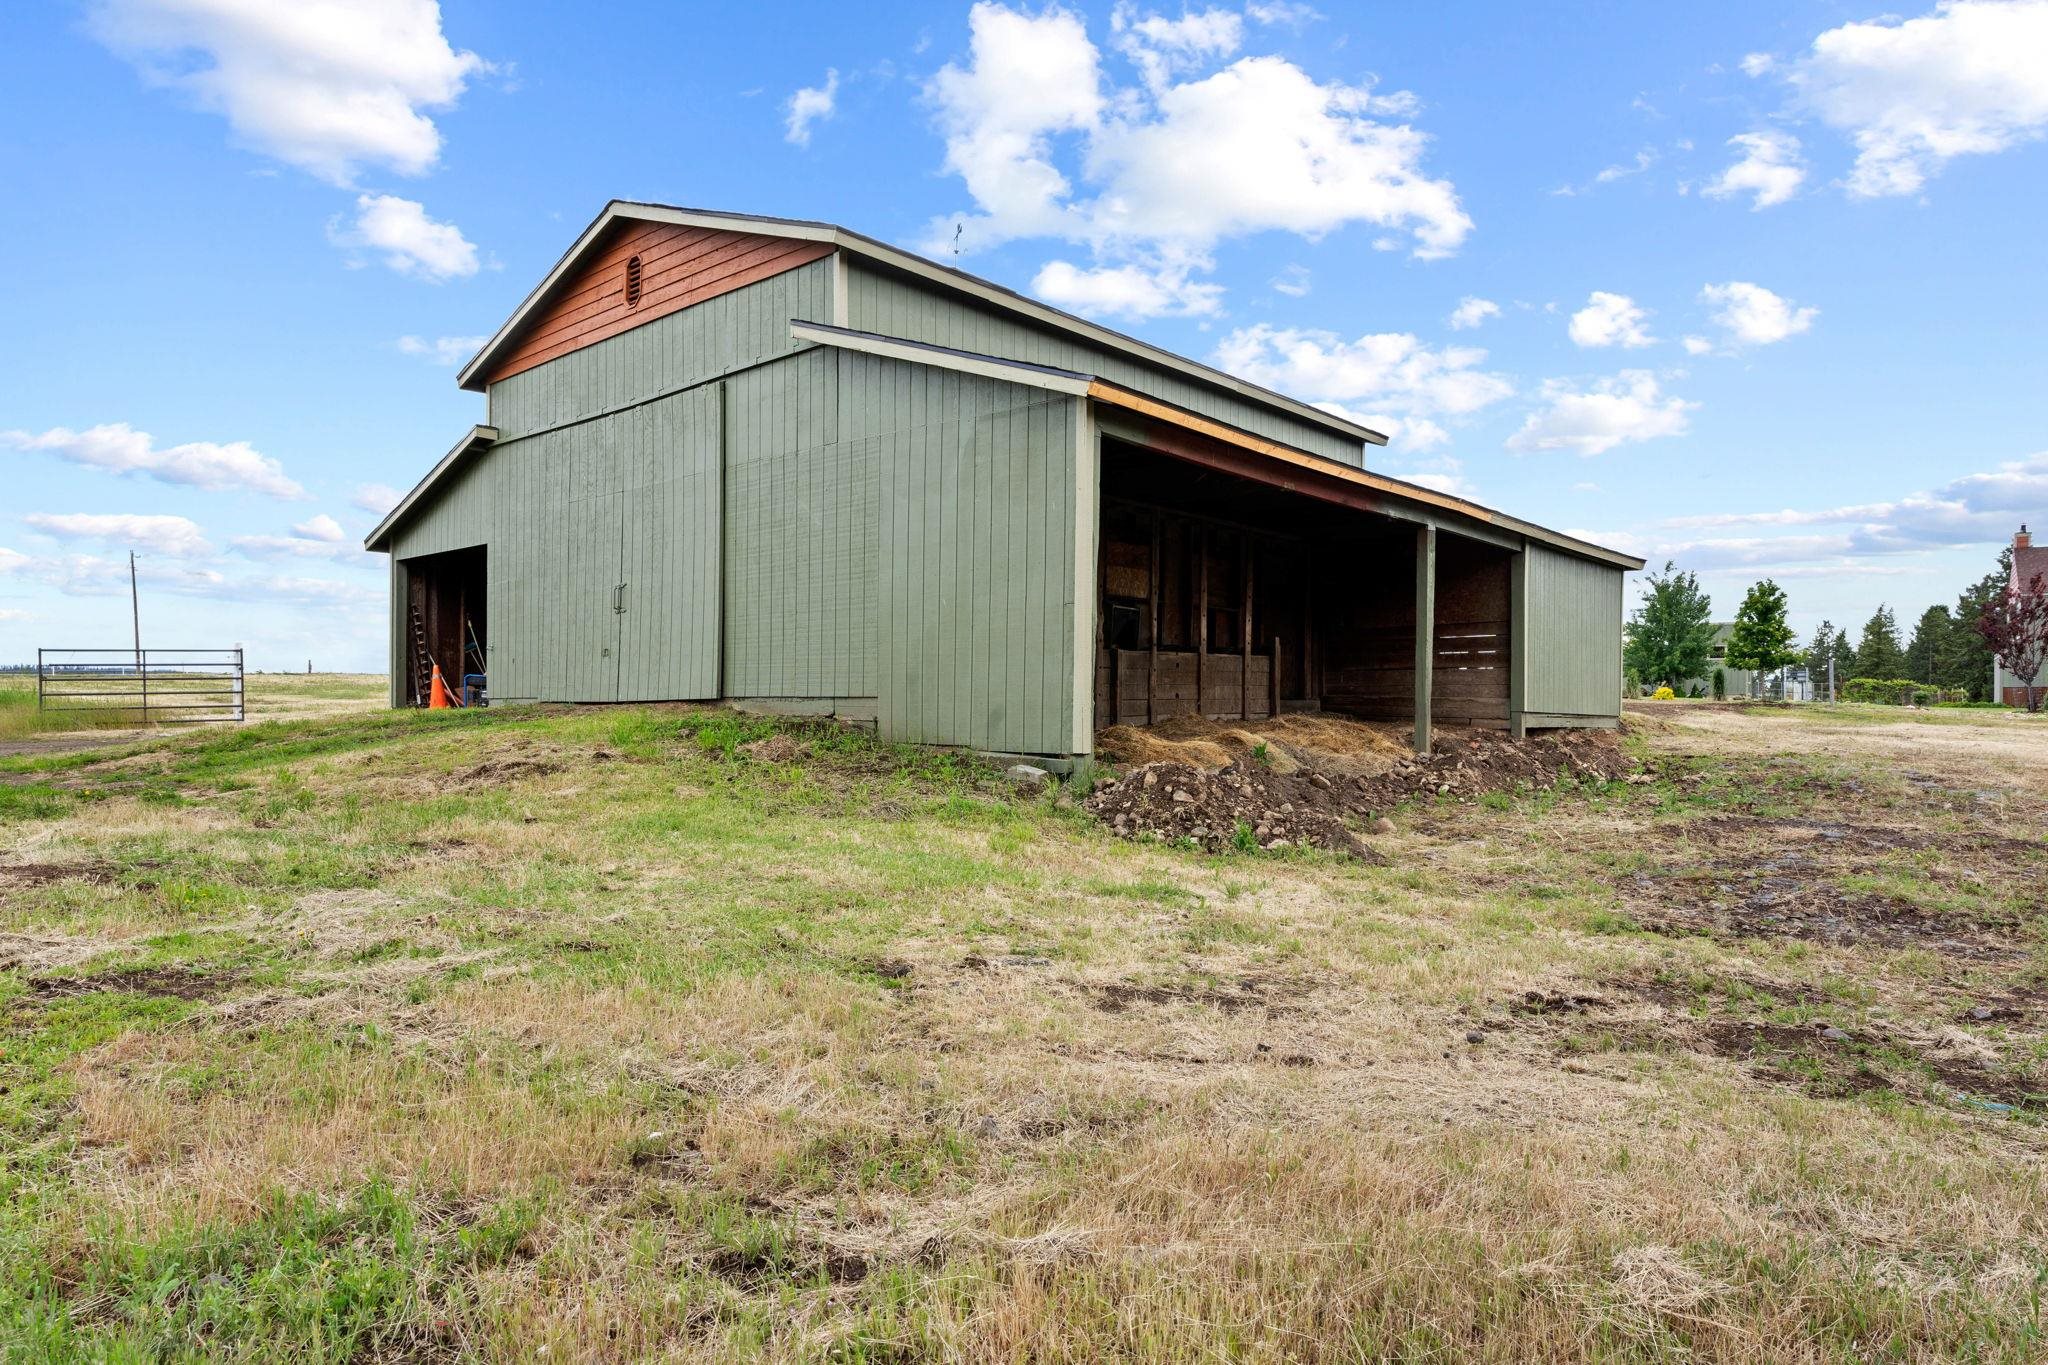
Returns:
point(679, 266)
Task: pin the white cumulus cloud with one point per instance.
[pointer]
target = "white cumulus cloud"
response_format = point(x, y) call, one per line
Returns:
point(1769, 171)
point(330, 86)
point(1610, 320)
point(1754, 316)
point(1389, 381)
point(1471, 312)
point(810, 104)
point(376, 498)
point(442, 350)
point(1156, 171)
point(1131, 291)
point(1619, 410)
point(179, 537)
point(399, 231)
point(1968, 78)
point(317, 537)
point(320, 527)
point(1160, 47)
point(116, 446)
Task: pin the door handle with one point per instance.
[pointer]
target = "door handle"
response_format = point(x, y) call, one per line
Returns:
point(619, 598)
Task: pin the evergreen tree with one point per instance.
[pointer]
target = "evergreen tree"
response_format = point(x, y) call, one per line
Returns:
point(1669, 633)
point(1762, 641)
point(1933, 637)
point(1845, 659)
point(1827, 644)
point(1967, 664)
point(1878, 654)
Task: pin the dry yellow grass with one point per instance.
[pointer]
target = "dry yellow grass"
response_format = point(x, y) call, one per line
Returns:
point(672, 1054)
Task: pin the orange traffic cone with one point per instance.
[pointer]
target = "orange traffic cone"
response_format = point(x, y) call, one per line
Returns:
point(438, 698)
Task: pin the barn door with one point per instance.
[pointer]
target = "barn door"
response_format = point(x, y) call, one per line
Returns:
point(670, 558)
point(591, 659)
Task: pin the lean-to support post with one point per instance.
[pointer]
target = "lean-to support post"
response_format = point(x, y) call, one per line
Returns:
point(1425, 630)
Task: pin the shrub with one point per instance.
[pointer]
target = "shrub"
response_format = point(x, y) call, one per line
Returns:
point(1663, 694)
point(1720, 684)
point(1899, 692)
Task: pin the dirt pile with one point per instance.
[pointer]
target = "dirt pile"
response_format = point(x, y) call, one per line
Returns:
point(1243, 804)
point(1286, 794)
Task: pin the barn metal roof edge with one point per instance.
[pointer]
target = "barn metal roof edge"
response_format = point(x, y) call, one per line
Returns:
point(1092, 386)
point(476, 438)
point(896, 258)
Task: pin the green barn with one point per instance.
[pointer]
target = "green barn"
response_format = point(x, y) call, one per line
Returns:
point(780, 463)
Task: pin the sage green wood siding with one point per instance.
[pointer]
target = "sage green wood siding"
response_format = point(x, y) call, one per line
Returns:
point(1571, 639)
point(669, 559)
point(568, 515)
point(800, 537)
point(976, 554)
point(900, 306)
point(683, 349)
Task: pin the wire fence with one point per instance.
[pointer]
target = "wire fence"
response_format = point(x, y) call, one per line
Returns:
point(150, 686)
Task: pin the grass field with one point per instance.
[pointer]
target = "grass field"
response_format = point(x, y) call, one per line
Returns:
point(476, 1035)
point(268, 696)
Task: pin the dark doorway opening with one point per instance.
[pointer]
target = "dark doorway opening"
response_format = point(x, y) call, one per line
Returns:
point(447, 625)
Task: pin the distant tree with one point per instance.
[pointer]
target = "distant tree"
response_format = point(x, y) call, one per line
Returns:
point(1720, 684)
point(1829, 645)
point(1967, 667)
point(1762, 641)
point(2015, 625)
point(1669, 633)
point(1878, 654)
point(1933, 637)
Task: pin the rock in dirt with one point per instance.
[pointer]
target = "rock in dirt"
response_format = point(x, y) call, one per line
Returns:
point(1026, 778)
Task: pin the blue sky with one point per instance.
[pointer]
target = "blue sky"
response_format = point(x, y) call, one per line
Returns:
point(1757, 287)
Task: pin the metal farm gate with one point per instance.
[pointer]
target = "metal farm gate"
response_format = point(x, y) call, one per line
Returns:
point(142, 687)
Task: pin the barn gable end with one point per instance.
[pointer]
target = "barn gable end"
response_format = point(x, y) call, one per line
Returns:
point(679, 266)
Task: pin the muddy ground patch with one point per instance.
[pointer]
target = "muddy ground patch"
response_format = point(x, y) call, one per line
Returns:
point(178, 983)
point(1788, 1035)
point(1820, 881)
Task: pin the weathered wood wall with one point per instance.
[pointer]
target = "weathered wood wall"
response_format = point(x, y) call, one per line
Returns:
point(1366, 636)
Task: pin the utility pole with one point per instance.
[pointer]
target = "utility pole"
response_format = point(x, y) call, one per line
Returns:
point(135, 616)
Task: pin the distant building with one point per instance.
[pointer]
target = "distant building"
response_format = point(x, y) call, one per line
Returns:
point(2028, 559)
point(1766, 685)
